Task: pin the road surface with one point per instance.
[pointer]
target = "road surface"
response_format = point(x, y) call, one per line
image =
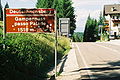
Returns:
point(98, 61)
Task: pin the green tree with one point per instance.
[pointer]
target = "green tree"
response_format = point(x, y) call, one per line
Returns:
point(86, 36)
point(101, 19)
point(92, 30)
point(104, 36)
point(90, 33)
point(69, 13)
point(58, 5)
point(7, 5)
point(78, 37)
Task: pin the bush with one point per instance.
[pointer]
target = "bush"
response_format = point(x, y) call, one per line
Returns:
point(105, 37)
point(29, 56)
point(78, 37)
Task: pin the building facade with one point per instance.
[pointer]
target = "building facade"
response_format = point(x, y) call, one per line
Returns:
point(112, 15)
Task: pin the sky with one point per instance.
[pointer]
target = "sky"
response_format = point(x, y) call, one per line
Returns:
point(85, 7)
point(82, 8)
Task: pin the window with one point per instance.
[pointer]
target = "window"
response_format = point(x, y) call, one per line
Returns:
point(113, 17)
point(113, 9)
point(117, 17)
point(115, 25)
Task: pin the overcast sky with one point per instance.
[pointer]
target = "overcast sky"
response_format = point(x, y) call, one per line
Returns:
point(82, 8)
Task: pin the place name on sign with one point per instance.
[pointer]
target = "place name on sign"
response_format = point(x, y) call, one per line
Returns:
point(30, 11)
point(30, 19)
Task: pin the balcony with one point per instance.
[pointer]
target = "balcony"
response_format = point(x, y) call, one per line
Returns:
point(116, 20)
point(106, 26)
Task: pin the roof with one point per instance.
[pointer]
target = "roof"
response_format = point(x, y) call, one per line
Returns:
point(112, 9)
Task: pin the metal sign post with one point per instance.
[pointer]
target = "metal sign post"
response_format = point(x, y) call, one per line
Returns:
point(55, 46)
point(4, 27)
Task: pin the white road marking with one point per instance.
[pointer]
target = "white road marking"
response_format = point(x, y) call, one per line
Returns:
point(84, 61)
point(107, 48)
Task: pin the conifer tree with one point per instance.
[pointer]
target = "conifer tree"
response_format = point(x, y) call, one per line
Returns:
point(69, 13)
point(90, 33)
point(7, 5)
point(101, 21)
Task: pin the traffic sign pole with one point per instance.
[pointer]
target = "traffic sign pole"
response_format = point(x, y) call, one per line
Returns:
point(55, 46)
point(4, 27)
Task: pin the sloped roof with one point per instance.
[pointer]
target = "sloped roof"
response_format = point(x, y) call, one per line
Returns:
point(112, 9)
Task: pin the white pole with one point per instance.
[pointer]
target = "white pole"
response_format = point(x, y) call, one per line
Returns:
point(110, 26)
point(55, 45)
point(4, 26)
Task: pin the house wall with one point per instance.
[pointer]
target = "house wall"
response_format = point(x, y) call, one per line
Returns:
point(114, 27)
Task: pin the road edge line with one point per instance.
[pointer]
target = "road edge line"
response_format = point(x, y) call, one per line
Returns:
point(84, 62)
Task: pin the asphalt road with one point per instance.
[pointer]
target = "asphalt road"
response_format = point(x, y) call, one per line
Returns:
point(98, 61)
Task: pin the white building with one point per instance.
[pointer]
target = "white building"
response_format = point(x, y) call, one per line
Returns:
point(112, 15)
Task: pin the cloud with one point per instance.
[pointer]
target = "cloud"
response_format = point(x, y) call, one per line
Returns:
point(91, 2)
point(25, 0)
point(85, 7)
point(82, 15)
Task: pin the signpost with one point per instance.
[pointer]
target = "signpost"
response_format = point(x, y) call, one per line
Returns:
point(31, 21)
point(64, 28)
point(4, 28)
